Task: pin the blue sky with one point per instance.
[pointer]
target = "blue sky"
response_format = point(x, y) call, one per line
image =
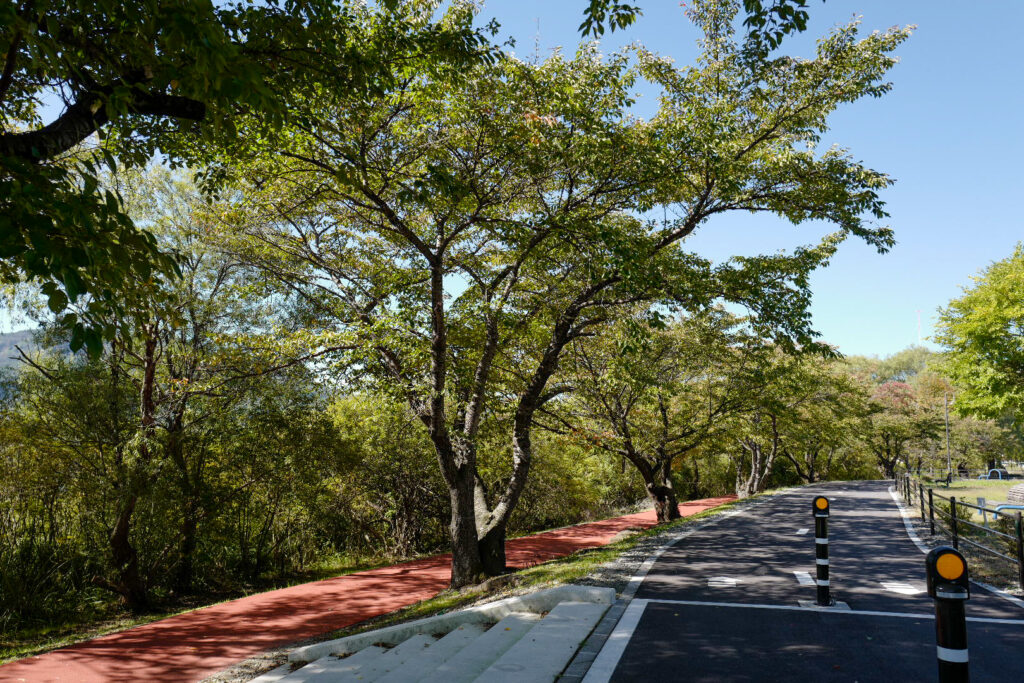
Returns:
point(949, 133)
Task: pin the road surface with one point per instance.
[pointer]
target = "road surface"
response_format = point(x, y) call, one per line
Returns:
point(724, 604)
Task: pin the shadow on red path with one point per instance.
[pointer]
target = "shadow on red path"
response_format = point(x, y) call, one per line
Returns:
point(191, 646)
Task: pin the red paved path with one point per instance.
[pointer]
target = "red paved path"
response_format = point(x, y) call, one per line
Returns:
point(191, 646)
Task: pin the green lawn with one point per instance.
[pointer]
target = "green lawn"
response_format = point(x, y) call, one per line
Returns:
point(993, 491)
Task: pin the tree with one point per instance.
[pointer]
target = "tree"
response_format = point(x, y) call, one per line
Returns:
point(152, 76)
point(651, 397)
point(821, 430)
point(500, 176)
point(519, 184)
point(983, 332)
point(180, 360)
point(759, 433)
point(766, 25)
point(897, 421)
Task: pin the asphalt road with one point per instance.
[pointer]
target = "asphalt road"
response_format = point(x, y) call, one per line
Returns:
point(723, 605)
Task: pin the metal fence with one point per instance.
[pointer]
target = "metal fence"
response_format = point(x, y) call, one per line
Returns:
point(1003, 537)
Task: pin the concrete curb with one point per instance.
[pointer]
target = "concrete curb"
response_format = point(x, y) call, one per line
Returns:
point(541, 601)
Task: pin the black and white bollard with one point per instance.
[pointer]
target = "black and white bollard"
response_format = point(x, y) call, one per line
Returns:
point(948, 585)
point(820, 509)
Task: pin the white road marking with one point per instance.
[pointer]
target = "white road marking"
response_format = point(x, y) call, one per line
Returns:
point(804, 578)
point(901, 588)
point(608, 658)
point(634, 583)
point(790, 608)
point(813, 604)
point(801, 532)
point(722, 582)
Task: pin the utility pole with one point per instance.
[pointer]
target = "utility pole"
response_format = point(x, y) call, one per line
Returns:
point(949, 461)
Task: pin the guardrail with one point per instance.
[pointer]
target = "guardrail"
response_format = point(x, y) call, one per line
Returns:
point(1003, 537)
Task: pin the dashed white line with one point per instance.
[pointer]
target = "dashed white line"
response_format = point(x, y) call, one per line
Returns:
point(634, 583)
point(804, 578)
point(901, 588)
point(722, 582)
point(801, 532)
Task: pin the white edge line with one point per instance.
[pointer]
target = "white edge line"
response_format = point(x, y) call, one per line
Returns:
point(604, 665)
point(641, 573)
point(907, 524)
point(790, 608)
point(608, 657)
point(925, 549)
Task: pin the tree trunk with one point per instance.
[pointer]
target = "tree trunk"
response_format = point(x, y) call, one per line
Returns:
point(666, 507)
point(492, 550)
point(129, 583)
point(185, 569)
point(662, 494)
point(467, 565)
point(185, 572)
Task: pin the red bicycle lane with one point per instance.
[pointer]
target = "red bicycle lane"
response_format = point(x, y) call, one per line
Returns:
point(197, 644)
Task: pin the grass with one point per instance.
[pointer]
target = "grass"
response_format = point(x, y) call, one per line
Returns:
point(969, 490)
point(984, 566)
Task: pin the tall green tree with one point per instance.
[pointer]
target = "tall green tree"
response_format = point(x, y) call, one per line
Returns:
point(983, 332)
point(180, 360)
point(463, 228)
point(820, 431)
point(898, 423)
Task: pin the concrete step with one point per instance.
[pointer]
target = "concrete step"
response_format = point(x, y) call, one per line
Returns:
point(546, 649)
point(394, 658)
point(479, 653)
point(434, 656)
point(330, 667)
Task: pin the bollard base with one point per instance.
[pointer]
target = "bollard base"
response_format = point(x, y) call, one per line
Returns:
point(836, 605)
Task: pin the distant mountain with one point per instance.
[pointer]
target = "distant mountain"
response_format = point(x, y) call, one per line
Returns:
point(8, 353)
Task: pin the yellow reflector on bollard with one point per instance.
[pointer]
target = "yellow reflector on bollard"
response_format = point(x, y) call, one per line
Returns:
point(821, 503)
point(950, 566)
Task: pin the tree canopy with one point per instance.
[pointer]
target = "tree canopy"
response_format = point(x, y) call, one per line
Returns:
point(983, 331)
point(458, 229)
point(154, 77)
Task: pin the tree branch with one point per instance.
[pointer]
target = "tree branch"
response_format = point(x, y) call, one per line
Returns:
point(88, 115)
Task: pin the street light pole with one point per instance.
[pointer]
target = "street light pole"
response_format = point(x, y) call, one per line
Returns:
point(949, 461)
